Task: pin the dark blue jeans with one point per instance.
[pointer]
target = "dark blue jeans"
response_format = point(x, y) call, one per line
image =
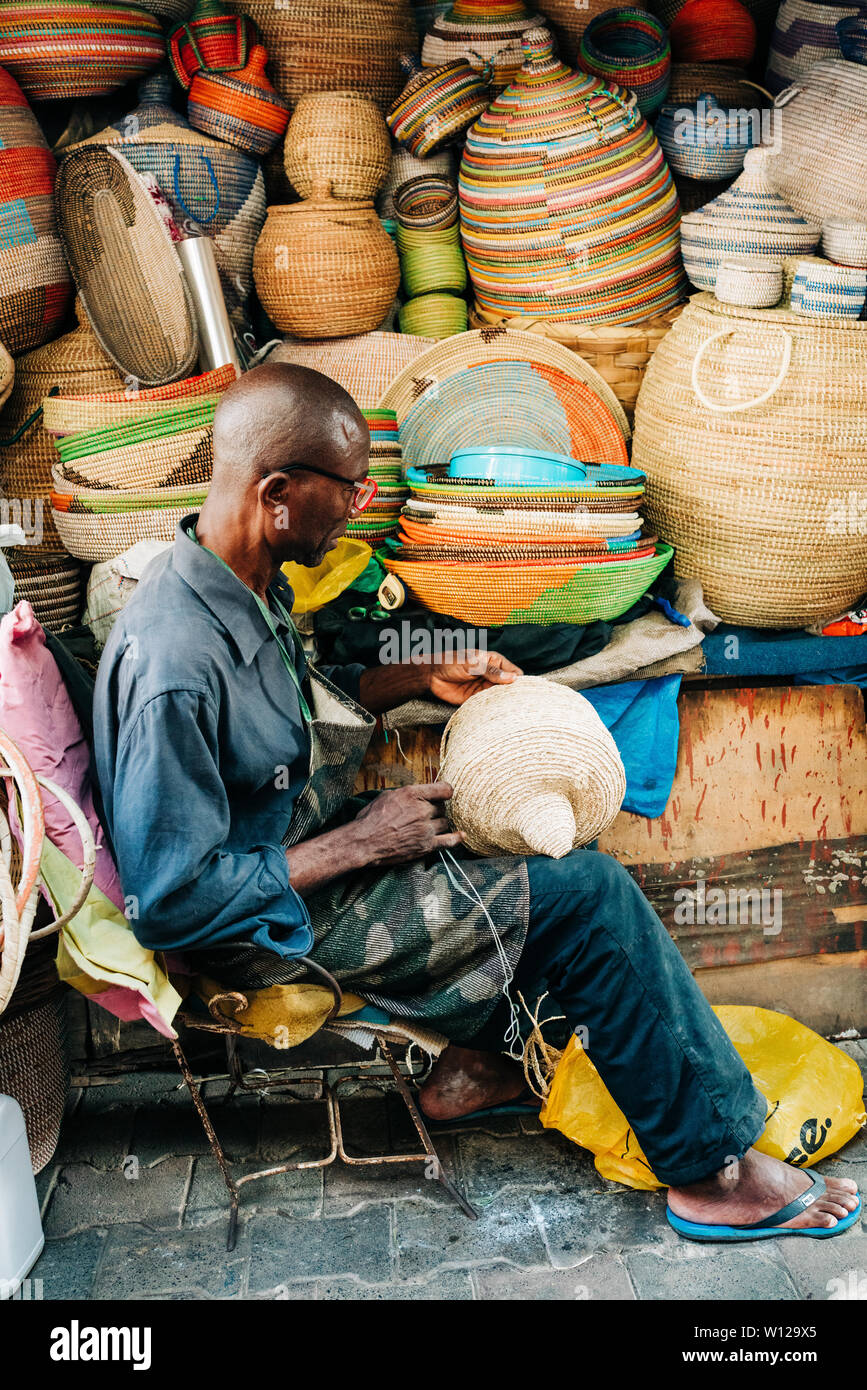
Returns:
point(595, 942)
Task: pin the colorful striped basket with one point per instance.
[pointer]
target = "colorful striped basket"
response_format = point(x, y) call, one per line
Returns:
point(241, 107)
point(631, 48)
point(713, 31)
point(706, 141)
point(434, 315)
point(379, 520)
point(214, 39)
point(62, 415)
point(749, 219)
point(568, 209)
point(569, 21)
point(405, 166)
point(34, 277)
point(340, 138)
point(172, 448)
point(74, 48)
point(823, 290)
point(437, 105)
point(487, 34)
point(805, 33)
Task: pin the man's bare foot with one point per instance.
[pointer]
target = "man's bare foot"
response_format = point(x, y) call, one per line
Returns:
point(462, 1081)
point(757, 1186)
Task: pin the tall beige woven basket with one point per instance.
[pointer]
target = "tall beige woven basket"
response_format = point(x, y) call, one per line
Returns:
point(821, 168)
point(751, 426)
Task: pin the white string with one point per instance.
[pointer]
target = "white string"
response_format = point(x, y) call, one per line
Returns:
point(512, 1036)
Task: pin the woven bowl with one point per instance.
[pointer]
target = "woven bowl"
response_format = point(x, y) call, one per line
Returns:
point(754, 282)
point(631, 48)
point(533, 768)
point(821, 291)
point(844, 242)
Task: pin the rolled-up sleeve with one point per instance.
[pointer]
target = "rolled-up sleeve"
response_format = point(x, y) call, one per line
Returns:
point(171, 823)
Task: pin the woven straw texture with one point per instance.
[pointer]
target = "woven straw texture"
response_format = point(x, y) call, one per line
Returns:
point(100, 410)
point(338, 138)
point(325, 268)
point(568, 210)
point(404, 166)
point(822, 166)
point(568, 22)
point(709, 144)
point(619, 354)
point(713, 31)
point(731, 86)
point(34, 1070)
point(214, 40)
point(174, 10)
point(762, 11)
point(825, 290)
point(99, 538)
point(72, 365)
point(845, 242)
point(7, 375)
point(748, 476)
point(50, 581)
point(73, 48)
point(331, 45)
point(241, 107)
point(533, 768)
point(125, 266)
point(630, 48)
point(748, 219)
point(167, 450)
point(488, 35)
point(753, 282)
point(434, 315)
point(804, 33)
point(436, 105)
point(852, 37)
point(365, 366)
point(220, 189)
point(34, 277)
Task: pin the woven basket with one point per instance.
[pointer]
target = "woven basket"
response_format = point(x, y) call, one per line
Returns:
point(214, 40)
point(325, 268)
point(852, 37)
point(630, 48)
point(50, 582)
point(102, 537)
point(240, 108)
point(568, 22)
point(364, 366)
point(487, 34)
point(749, 219)
point(434, 315)
point(533, 770)
point(7, 375)
point(822, 165)
point(805, 33)
point(731, 86)
point(713, 31)
point(844, 242)
point(104, 409)
point(404, 166)
point(72, 365)
point(619, 354)
point(170, 449)
point(74, 48)
point(34, 278)
point(218, 188)
point(34, 1066)
point(763, 12)
point(436, 105)
point(426, 204)
point(174, 10)
point(126, 268)
point(340, 138)
point(752, 282)
point(568, 210)
point(825, 290)
point(706, 142)
point(751, 427)
point(323, 46)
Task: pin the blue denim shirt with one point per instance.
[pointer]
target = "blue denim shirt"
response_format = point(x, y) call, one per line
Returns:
point(201, 750)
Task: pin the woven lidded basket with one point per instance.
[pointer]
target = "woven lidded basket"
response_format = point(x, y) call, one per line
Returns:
point(805, 33)
point(751, 426)
point(75, 48)
point(436, 105)
point(325, 268)
point(339, 138)
point(705, 140)
point(240, 107)
point(821, 168)
point(533, 768)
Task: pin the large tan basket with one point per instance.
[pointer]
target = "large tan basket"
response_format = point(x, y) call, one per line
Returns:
point(751, 426)
point(822, 165)
point(364, 365)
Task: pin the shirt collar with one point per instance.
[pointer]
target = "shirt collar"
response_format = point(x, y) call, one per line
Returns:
point(227, 596)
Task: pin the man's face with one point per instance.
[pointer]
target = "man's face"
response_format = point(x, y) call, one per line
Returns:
point(317, 509)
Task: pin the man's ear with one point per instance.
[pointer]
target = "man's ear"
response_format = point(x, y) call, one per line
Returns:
point(273, 493)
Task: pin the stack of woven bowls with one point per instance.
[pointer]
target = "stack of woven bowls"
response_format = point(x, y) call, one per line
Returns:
point(378, 521)
point(630, 48)
point(131, 467)
point(432, 263)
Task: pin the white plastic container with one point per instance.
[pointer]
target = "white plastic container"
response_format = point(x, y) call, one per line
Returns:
point(21, 1238)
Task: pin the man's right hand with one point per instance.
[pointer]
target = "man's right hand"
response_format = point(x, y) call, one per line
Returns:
point(405, 824)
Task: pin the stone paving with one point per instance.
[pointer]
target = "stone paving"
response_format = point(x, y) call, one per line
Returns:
point(134, 1207)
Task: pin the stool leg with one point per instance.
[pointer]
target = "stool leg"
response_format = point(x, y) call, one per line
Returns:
point(216, 1146)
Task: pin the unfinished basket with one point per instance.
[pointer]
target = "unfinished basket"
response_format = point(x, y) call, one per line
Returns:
point(751, 426)
point(533, 768)
point(338, 138)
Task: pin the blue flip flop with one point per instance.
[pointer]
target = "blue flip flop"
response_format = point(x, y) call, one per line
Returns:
point(769, 1226)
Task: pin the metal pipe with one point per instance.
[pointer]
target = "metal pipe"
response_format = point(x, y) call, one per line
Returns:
point(216, 340)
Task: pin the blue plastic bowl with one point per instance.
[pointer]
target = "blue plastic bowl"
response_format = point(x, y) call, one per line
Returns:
point(507, 463)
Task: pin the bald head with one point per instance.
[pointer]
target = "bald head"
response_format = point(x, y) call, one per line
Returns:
point(279, 414)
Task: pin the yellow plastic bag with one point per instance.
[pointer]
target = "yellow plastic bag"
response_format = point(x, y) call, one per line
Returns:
point(814, 1094)
point(313, 588)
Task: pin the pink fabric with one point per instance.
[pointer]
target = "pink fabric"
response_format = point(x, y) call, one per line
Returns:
point(131, 1007)
point(37, 713)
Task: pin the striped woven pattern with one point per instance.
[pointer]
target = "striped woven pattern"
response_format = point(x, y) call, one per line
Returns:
point(822, 165)
point(852, 37)
point(434, 315)
point(240, 108)
point(74, 48)
point(436, 105)
point(34, 277)
point(630, 48)
point(709, 143)
point(827, 290)
point(364, 365)
point(568, 209)
point(338, 138)
point(713, 31)
point(488, 35)
point(50, 581)
point(74, 414)
point(378, 521)
point(214, 39)
point(804, 33)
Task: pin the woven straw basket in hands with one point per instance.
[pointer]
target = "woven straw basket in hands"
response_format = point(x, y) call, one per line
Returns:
point(533, 768)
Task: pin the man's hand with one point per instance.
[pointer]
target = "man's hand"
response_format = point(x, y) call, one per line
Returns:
point(405, 824)
point(456, 680)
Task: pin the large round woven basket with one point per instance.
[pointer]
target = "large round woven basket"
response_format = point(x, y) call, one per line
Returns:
point(701, 141)
point(487, 34)
point(629, 47)
point(172, 448)
point(533, 769)
point(751, 426)
point(339, 138)
point(804, 34)
point(75, 48)
point(325, 268)
point(50, 582)
point(713, 31)
point(34, 277)
point(568, 210)
point(70, 366)
point(364, 365)
point(99, 536)
point(215, 39)
point(620, 354)
point(323, 46)
point(822, 165)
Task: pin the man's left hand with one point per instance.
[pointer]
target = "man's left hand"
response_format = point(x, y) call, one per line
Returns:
point(455, 680)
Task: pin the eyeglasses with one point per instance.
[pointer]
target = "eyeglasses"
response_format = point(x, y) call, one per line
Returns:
point(364, 491)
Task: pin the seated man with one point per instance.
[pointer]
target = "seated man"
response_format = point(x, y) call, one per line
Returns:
point(227, 765)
